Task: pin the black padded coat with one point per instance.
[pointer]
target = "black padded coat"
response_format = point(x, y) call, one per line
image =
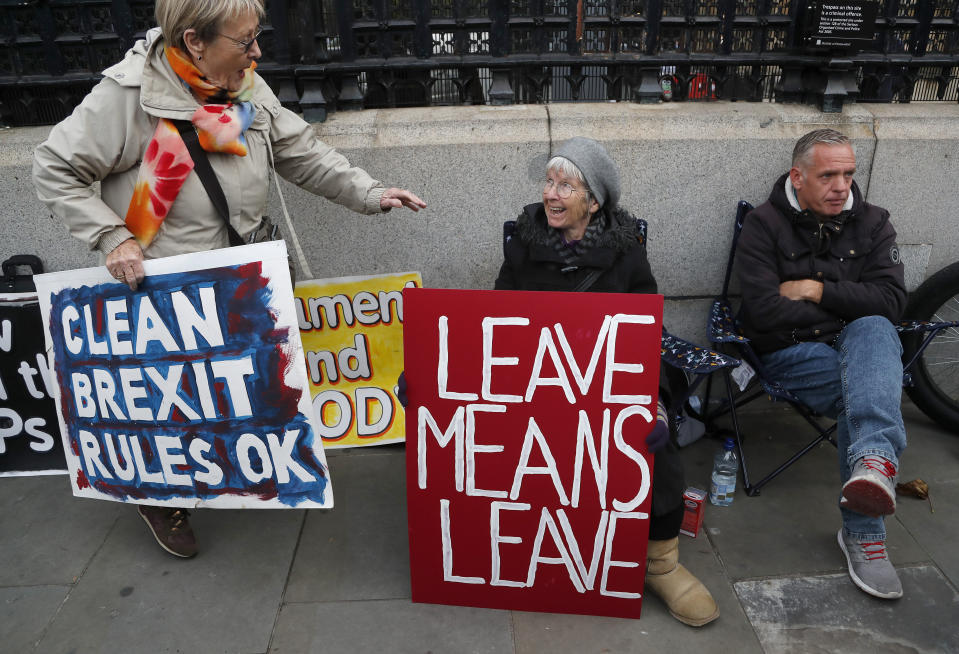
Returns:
point(531, 263)
point(857, 261)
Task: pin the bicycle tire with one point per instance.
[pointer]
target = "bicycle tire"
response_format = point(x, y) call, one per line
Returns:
point(935, 375)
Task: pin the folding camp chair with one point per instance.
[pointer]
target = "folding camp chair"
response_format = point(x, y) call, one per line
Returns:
point(725, 331)
point(695, 362)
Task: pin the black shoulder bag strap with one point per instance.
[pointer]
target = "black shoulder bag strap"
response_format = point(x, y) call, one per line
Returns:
point(588, 280)
point(203, 170)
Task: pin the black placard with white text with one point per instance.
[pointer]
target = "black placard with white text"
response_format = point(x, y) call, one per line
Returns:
point(29, 431)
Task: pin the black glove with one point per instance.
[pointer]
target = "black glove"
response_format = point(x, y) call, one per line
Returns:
point(656, 440)
point(401, 390)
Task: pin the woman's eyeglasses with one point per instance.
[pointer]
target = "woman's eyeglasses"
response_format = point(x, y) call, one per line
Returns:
point(246, 45)
point(563, 190)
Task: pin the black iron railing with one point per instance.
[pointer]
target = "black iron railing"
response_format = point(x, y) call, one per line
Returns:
point(326, 55)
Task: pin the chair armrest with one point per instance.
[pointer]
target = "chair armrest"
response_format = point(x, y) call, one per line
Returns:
point(722, 326)
point(682, 354)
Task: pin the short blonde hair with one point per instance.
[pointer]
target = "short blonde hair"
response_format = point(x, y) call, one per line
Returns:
point(205, 16)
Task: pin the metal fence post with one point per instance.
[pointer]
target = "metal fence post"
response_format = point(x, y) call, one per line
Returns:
point(123, 21)
point(840, 85)
point(649, 90)
point(423, 38)
point(500, 90)
point(350, 95)
point(46, 27)
point(283, 43)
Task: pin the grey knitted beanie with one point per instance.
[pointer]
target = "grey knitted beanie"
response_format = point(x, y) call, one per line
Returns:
point(597, 167)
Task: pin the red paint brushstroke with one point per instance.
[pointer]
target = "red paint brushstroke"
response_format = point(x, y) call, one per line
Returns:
point(288, 399)
point(98, 325)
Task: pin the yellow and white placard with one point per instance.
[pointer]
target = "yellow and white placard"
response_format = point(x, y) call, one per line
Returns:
point(352, 333)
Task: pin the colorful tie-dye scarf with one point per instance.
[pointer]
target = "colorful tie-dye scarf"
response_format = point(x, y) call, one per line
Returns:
point(220, 124)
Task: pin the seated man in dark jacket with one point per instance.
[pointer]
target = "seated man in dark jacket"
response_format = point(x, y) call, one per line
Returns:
point(579, 239)
point(822, 285)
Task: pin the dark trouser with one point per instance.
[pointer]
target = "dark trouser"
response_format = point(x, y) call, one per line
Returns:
point(666, 526)
point(668, 486)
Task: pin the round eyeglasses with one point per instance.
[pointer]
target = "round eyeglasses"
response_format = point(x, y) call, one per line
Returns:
point(246, 45)
point(563, 190)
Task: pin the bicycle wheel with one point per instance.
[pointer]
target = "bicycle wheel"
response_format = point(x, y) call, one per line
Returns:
point(935, 375)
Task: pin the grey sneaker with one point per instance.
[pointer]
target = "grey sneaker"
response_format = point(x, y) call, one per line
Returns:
point(871, 489)
point(870, 568)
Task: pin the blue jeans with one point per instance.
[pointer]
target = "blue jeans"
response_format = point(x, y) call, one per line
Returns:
point(859, 383)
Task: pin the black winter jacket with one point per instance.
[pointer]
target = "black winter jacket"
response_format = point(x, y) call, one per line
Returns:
point(859, 266)
point(531, 264)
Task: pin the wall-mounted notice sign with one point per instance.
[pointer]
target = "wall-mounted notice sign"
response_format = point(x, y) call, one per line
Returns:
point(841, 24)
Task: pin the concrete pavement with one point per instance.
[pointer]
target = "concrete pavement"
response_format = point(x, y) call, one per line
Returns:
point(86, 576)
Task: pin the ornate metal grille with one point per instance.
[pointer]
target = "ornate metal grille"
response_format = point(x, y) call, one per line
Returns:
point(325, 55)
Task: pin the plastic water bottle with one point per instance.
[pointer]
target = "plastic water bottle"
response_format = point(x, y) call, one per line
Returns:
point(725, 469)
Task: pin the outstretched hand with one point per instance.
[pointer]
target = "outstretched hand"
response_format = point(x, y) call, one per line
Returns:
point(125, 263)
point(394, 198)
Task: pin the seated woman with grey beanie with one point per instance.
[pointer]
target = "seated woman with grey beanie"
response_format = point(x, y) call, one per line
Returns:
point(579, 239)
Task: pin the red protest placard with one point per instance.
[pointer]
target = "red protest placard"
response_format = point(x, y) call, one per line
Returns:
point(528, 481)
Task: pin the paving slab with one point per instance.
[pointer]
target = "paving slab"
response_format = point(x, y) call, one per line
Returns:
point(790, 528)
point(656, 630)
point(86, 576)
point(50, 534)
point(933, 456)
point(26, 611)
point(134, 597)
point(394, 626)
point(828, 614)
point(936, 530)
point(360, 549)
point(932, 452)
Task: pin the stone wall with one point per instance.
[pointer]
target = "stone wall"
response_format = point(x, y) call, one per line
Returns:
point(684, 167)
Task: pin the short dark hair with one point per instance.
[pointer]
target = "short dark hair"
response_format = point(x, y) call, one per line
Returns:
point(807, 142)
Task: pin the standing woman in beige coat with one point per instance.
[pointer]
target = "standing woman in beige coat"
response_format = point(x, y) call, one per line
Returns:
point(198, 66)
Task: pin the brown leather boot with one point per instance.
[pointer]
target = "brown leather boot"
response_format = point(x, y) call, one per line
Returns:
point(685, 596)
point(171, 528)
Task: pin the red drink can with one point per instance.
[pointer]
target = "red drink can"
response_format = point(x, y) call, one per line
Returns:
point(693, 500)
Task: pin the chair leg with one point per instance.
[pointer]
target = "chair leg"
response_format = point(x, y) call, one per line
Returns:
point(729, 405)
point(690, 390)
point(709, 392)
point(752, 490)
point(731, 399)
point(823, 436)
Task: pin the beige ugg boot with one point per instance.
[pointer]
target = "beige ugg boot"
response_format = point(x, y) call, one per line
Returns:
point(685, 596)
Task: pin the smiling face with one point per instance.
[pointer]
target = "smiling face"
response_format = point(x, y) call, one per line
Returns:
point(222, 60)
point(569, 215)
point(824, 180)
